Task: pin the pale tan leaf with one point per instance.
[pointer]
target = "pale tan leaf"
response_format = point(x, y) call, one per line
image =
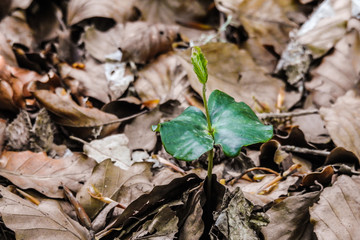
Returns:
point(46, 175)
point(339, 72)
point(31, 222)
point(337, 214)
point(6, 51)
point(342, 120)
point(233, 71)
point(122, 186)
point(113, 147)
point(79, 10)
point(325, 26)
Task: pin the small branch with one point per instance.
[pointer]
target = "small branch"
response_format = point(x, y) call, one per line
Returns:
point(295, 149)
point(287, 114)
point(234, 180)
point(125, 118)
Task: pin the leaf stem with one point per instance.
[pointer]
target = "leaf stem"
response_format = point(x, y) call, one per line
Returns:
point(207, 110)
point(211, 152)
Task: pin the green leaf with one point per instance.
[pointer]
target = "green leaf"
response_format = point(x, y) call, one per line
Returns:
point(199, 63)
point(235, 124)
point(186, 137)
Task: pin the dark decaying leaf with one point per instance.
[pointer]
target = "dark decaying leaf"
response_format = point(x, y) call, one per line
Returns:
point(337, 214)
point(143, 208)
point(31, 222)
point(236, 219)
point(18, 132)
point(290, 219)
point(46, 175)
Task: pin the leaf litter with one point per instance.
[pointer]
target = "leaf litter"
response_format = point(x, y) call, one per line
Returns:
point(81, 83)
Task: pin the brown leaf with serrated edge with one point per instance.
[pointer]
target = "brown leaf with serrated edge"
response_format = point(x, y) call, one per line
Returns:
point(46, 221)
point(67, 113)
point(46, 175)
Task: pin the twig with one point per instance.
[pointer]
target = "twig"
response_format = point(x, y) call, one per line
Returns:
point(288, 148)
point(287, 114)
point(125, 118)
point(234, 180)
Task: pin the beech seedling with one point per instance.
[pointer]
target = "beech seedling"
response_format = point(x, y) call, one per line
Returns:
point(226, 122)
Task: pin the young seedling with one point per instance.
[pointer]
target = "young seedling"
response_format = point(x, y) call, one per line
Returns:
point(226, 122)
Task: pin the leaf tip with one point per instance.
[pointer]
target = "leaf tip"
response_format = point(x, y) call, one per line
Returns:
point(155, 128)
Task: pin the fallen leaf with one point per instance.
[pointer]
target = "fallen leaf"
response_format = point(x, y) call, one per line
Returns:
point(290, 219)
point(90, 81)
point(339, 72)
point(2, 133)
point(163, 79)
point(46, 175)
point(113, 147)
point(325, 26)
point(79, 10)
point(336, 215)
point(18, 132)
point(170, 11)
point(67, 113)
point(46, 221)
point(120, 185)
point(265, 21)
point(233, 71)
point(6, 51)
point(138, 131)
point(342, 121)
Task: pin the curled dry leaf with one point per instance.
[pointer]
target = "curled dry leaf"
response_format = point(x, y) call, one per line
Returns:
point(120, 185)
point(342, 120)
point(46, 175)
point(336, 215)
point(233, 71)
point(339, 72)
point(79, 10)
point(16, 29)
point(12, 85)
point(67, 113)
point(6, 51)
point(46, 221)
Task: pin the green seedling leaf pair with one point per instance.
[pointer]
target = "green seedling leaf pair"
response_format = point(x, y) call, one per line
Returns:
point(226, 122)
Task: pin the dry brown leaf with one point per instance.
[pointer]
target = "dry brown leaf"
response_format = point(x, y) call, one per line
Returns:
point(90, 81)
point(31, 222)
point(163, 79)
point(67, 113)
point(339, 72)
point(325, 26)
point(265, 21)
point(233, 71)
point(342, 120)
point(337, 214)
point(171, 11)
point(122, 186)
point(141, 41)
point(6, 51)
point(46, 175)
point(12, 85)
point(79, 10)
